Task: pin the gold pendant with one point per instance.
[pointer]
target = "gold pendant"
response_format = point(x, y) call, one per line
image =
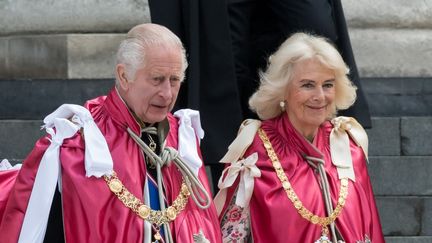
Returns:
point(157, 236)
point(152, 146)
point(323, 239)
point(324, 235)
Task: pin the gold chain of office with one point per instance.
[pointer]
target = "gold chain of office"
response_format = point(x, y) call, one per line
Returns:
point(292, 196)
point(157, 217)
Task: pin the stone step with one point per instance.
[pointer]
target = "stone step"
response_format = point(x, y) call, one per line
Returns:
point(398, 96)
point(389, 52)
point(28, 99)
point(389, 138)
point(387, 40)
point(405, 216)
point(18, 138)
point(384, 136)
point(395, 136)
point(414, 239)
point(388, 13)
point(401, 175)
point(390, 39)
point(71, 16)
point(378, 52)
point(59, 56)
point(387, 97)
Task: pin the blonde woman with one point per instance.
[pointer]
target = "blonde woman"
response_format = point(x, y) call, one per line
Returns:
point(300, 174)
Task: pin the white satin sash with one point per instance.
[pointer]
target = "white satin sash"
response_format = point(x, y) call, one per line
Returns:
point(245, 168)
point(98, 162)
point(340, 146)
point(188, 132)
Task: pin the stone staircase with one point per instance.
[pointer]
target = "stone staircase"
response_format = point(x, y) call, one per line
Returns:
point(46, 59)
point(400, 155)
point(391, 42)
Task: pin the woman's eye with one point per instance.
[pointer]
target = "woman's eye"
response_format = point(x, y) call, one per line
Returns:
point(308, 85)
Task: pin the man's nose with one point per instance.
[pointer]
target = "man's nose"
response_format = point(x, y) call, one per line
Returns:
point(166, 90)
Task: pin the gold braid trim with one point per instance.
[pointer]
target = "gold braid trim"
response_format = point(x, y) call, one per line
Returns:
point(292, 196)
point(143, 211)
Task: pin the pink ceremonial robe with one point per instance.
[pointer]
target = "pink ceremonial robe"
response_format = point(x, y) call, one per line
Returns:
point(273, 216)
point(92, 213)
point(7, 180)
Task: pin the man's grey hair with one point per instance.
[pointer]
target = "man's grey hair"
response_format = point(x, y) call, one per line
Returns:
point(132, 50)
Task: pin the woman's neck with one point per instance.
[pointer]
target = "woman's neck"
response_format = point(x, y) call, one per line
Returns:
point(308, 132)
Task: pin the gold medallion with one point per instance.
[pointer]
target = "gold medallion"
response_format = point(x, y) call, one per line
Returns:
point(144, 211)
point(314, 219)
point(171, 213)
point(115, 186)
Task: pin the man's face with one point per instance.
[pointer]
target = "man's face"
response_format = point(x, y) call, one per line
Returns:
point(153, 92)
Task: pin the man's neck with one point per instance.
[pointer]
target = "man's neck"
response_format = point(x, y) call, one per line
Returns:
point(140, 122)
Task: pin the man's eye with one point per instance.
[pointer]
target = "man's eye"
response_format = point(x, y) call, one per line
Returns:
point(158, 79)
point(174, 80)
point(328, 85)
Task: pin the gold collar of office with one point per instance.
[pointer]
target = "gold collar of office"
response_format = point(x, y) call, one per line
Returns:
point(292, 196)
point(157, 217)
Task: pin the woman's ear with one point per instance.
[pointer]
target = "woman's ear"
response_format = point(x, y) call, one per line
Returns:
point(121, 76)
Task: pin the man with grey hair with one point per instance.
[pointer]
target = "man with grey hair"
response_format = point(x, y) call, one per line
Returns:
point(122, 168)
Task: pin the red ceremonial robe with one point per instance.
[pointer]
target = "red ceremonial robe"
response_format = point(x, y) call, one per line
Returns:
point(7, 180)
point(91, 212)
point(274, 218)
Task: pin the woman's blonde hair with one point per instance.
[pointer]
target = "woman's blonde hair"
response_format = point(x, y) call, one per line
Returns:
point(274, 80)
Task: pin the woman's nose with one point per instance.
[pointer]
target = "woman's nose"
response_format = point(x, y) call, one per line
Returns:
point(318, 94)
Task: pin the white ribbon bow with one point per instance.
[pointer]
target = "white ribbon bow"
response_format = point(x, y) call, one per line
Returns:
point(5, 165)
point(340, 145)
point(189, 130)
point(98, 162)
point(248, 171)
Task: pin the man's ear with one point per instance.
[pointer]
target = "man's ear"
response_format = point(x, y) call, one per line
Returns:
point(121, 76)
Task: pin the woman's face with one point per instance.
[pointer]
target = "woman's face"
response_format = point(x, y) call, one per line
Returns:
point(310, 95)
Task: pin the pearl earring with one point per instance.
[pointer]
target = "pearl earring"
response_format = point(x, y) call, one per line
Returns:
point(282, 105)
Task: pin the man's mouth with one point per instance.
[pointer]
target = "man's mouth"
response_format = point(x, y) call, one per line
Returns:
point(160, 106)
